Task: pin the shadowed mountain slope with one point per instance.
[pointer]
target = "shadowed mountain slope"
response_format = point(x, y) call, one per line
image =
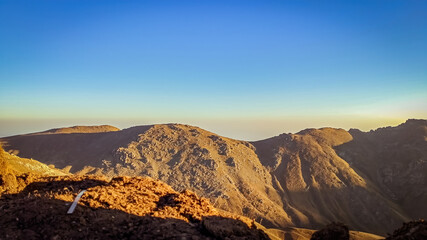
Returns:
point(75, 151)
point(318, 186)
point(306, 179)
point(395, 160)
point(15, 171)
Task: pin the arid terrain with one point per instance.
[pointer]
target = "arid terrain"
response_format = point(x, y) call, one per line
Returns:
point(370, 181)
point(34, 205)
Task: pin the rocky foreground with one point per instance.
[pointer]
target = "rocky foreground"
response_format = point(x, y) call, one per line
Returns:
point(139, 208)
point(123, 208)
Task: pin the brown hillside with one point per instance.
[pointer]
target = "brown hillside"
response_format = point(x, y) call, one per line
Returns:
point(317, 186)
point(76, 150)
point(308, 179)
point(395, 160)
point(225, 170)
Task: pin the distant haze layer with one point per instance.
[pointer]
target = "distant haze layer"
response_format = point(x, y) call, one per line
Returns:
point(238, 128)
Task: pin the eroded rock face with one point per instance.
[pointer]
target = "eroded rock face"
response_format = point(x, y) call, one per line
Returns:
point(224, 170)
point(414, 230)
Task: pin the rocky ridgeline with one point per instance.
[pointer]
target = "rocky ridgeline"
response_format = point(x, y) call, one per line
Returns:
point(371, 181)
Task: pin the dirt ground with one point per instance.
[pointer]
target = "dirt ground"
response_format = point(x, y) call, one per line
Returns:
point(123, 208)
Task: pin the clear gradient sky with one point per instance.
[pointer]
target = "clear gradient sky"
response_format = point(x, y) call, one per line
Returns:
point(243, 69)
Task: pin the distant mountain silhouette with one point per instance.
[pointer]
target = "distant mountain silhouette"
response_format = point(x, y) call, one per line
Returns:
point(371, 181)
point(80, 129)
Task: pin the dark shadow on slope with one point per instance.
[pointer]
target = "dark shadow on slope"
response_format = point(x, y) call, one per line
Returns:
point(167, 200)
point(47, 219)
point(414, 230)
point(363, 208)
point(222, 228)
point(73, 149)
point(31, 214)
point(332, 231)
point(394, 160)
point(355, 207)
point(51, 185)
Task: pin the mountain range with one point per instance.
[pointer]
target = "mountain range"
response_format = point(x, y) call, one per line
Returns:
point(371, 181)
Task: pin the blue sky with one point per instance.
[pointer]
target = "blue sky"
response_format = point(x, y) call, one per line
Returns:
point(244, 69)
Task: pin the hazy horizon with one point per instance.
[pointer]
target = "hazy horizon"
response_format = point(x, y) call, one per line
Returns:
point(246, 130)
point(242, 69)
